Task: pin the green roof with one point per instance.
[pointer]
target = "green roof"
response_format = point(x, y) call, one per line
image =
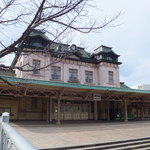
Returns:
point(104, 49)
point(71, 85)
point(38, 33)
point(83, 53)
point(123, 85)
point(7, 73)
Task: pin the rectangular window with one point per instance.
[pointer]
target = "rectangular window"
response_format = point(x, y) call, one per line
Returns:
point(73, 75)
point(34, 103)
point(110, 77)
point(55, 73)
point(36, 65)
point(149, 111)
point(88, 77)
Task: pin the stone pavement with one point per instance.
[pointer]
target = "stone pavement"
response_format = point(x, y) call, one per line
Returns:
point(44, 135)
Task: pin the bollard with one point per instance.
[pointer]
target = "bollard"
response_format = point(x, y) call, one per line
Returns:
point(5, 117)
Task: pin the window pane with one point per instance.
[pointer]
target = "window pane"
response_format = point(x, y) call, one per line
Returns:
point(36, 65)
point(73, 74)
point(34, 103)
point(110, 77)
point(88, 77)
point(55, 73)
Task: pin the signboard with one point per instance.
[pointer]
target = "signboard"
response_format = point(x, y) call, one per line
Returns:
point(97, 97)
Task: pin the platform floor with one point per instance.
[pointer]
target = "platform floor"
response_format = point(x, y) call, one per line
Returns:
point(44, 135)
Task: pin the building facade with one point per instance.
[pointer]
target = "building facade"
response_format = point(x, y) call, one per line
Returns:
point(99, 68)
point(142, 87)
point(62, 82)
point(78, 66)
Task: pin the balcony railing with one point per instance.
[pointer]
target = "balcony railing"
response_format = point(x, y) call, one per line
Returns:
point(10, 139)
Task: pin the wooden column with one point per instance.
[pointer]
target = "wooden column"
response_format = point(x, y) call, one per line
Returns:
point(137, 111)
point(142, 112)
point(95, 110)
point(48, 110)
point(58, 105)
point(51, 109)
point(108, 113)
point(125, 111)
point(89, 111)
point(58, 111)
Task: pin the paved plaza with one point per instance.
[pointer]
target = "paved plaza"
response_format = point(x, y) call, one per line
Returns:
point(44, 135)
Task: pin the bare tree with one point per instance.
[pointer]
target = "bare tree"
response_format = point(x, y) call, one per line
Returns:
point(55, 17)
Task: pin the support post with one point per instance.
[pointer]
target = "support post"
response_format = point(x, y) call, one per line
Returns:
point(89, 111)
point(137, 111)
point(58, 105)
point(48, 111)
point(142, 112)
point(125, 111)
point(108, 113)
point(51, 108)
point(95, 110)
point(58, 111)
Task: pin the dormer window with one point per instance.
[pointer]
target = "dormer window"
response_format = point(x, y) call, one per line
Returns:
point(106, 54)
point(36, 44)
point(109, 58)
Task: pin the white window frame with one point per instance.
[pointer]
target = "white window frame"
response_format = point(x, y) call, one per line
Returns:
point(73, 75)
point(55, 73)
point(36, 65)
point(88, 76)
point(110, 77)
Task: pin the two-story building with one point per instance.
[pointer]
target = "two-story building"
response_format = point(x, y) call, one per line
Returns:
point(76, 66)
point(57, 82)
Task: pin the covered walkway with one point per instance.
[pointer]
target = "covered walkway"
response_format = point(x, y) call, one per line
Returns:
point(51, 101)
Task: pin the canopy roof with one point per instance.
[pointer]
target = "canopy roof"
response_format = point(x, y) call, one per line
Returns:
point(71, 91)
point(71, 85)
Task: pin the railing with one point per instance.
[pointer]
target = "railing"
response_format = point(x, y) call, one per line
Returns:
point(10, 139)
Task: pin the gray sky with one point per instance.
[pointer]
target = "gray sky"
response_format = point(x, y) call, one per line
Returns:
point(130, 39)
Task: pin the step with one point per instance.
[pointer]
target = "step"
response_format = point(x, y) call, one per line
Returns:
point(117, 145)
point(107, 144)
point(134, 147)
point(145, 148)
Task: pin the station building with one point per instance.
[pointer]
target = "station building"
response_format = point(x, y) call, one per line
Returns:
point(141, 87)
point(62, 82)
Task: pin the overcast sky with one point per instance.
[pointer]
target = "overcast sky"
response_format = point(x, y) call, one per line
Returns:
point(130, 39)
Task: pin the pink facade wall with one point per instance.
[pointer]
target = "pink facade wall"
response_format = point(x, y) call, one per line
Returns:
point(100, 71)
point(103, 70)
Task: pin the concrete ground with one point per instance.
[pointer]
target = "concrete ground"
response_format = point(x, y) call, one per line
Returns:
point(44, 135)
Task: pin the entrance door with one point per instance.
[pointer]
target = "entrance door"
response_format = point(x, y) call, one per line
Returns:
point(115, 112)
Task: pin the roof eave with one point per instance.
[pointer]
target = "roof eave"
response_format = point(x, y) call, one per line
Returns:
point(71, 85)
